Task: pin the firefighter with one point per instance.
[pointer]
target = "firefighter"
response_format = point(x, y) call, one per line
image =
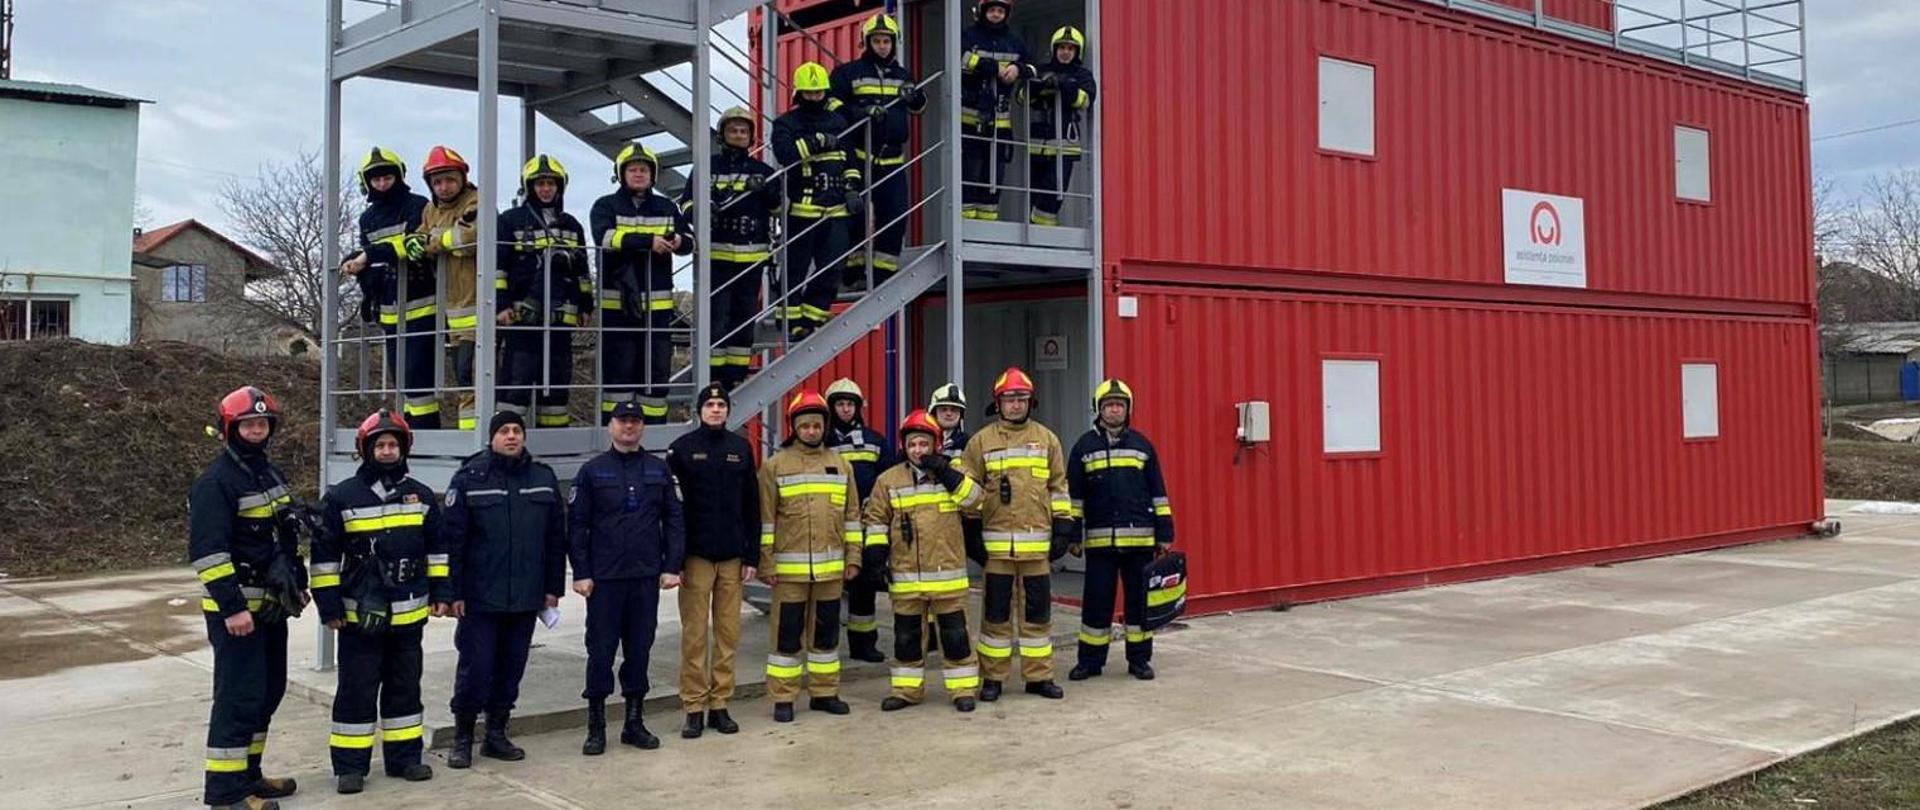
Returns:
point(1062, 93)
point(379, 569)
point(810, 530)
point(240, 514)
point(744, 202)
point(628, 540)
point(1028, 522)
point(867, 453)
point(548, 292)
point(448, 224)
point(879, 93)
point(823, 191)
point(392, 277)
point(715, 468)
point(1114, 477)
point(638, 230)
point(915, 509)
point(507, 548)
point(995, 62)
point(949, 408)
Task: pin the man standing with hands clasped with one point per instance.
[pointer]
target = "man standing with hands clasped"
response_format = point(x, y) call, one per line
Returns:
point(628, 544)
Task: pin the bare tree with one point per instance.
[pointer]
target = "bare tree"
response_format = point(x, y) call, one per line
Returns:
point(1880, 234)
point(281, 213)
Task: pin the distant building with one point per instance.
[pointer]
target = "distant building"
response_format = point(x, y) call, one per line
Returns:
point(1870, 362)
point(190, 286)
point(67, 190)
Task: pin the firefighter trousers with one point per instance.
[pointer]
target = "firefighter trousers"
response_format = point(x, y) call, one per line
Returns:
point(410, 365)
point(1008, 582)
point(1105, 568)
point(493, 657)
point(536, 366)
point(960, 670)
point(736, 300)
point(636, 362)
point(464, 356)
point(379, 680)
point(249, 678)
point(622, 615)
point(806, 639)
point(818, 248)
point(863, 619)
point(710, 594)
point(887, 203)
point(983, 168)
point(1050, 175)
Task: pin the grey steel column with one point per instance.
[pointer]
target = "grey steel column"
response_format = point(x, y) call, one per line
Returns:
point(528, 140)
point(701, 139)
point(1096, 283)
point(485, 336)
point(956, 244)
point(770, 421)
point(329, 297)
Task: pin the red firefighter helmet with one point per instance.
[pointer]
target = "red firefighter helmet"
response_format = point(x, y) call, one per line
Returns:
point(805, 402)
point(247, 402)
point(377, 423)
point(441, 159)
point(1012, 381)
point(919, 422)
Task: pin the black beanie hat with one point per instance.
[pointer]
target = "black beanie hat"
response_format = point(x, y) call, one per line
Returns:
point(504, 418)
point(711, 392)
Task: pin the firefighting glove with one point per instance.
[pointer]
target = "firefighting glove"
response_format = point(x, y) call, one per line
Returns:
point(877, 112)
point(1063, 537)
point(283, 582)
point(856, 204)
point(755, 183)
point(826, 141)
point(915, 97)
point(415, 245)
point(974, 539)
point(524, 312)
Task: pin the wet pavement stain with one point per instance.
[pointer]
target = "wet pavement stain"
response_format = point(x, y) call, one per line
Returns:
point(45, 641)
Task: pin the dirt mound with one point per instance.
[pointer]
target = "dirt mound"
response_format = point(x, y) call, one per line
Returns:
point(1873, 470)
point(102, 443)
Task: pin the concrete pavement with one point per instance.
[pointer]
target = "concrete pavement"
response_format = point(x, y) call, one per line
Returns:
point(1598, 687)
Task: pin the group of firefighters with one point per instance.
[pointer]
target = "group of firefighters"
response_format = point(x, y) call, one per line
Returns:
point(840, 513)
point(417, 268)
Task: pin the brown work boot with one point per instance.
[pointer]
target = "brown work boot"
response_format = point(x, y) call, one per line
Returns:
point(250, 803)
point(275, 787)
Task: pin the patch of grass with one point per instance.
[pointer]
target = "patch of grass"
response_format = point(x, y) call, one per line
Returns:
point(1873, 470)
point(1876, 770)
point(104, 441)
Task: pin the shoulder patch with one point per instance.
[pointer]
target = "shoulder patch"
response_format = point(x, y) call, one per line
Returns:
point(453, 496)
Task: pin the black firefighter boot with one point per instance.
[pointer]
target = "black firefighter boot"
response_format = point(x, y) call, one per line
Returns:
point(722, 722)
point(1046, 689)
point(496, 745)
point(696, 725)
point(989, 690)
point(461, 755)
point(864, 647)
point(596, 743)
point(634, 732)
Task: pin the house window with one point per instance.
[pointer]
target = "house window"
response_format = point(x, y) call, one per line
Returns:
point(22, 319)
point(1692, 165)
point(1350, 405)
point(1346, 107)
point(186, 283)
point(1700, 400)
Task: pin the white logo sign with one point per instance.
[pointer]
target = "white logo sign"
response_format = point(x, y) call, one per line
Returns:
point(1546, 238)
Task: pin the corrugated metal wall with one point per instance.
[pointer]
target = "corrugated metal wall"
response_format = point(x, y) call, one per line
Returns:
point(1508, 433)
point(1219, 147)
point(1590, 13)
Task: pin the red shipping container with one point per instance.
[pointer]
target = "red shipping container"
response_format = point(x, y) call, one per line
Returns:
point(1596, 14)
point(1512, 438)
point(1220, 146)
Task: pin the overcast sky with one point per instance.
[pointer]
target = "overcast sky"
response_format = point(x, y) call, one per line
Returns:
point(238, 83)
